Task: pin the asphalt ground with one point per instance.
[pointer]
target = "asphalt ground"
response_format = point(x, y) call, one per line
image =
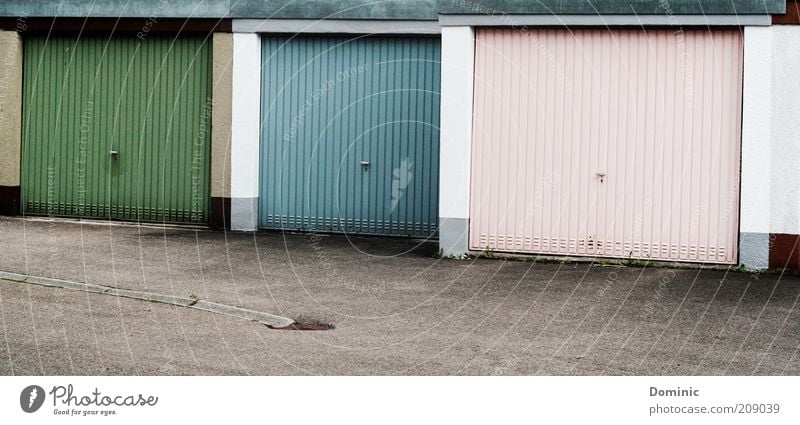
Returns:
point(397, 309)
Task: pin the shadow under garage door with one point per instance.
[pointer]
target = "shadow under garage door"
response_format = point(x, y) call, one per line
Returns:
point(350, 135)
point(117, 127)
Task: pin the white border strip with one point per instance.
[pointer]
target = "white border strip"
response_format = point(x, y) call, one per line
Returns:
point(604, 20)
point(355, 26)
point(757, 101)
point(342, 26)
point(246, 122)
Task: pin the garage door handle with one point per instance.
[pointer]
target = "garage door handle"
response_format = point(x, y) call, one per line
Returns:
point(602, 176)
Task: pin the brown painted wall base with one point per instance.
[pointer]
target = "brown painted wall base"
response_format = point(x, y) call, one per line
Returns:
point(791, 17)
point(220, 213)
point(784, 251)
point(9, 200)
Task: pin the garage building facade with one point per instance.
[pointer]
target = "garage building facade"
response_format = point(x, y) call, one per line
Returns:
point(622, 129)
point(116, 119)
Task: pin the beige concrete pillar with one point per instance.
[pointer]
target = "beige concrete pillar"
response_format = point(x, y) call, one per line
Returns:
point(10, 121)
point(221, 130)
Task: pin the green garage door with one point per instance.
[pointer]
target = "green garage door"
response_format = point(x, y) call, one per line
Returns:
point(350, 135)
point(117, 127)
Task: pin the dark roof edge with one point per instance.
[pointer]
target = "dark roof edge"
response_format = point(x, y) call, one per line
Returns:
point(612, 7)
point(420, 10)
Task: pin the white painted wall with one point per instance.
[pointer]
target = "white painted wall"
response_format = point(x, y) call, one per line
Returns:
point(246, 115)
point(756, 131)
point(245, 124)
point(458, 60)
point(770, 200)
point(784, 164)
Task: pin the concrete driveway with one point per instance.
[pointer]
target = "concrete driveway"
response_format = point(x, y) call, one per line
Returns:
point(397, 309)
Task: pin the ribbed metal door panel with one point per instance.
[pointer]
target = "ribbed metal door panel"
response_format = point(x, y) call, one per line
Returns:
point(350, 135)
point(607, 143)
point(147, 99)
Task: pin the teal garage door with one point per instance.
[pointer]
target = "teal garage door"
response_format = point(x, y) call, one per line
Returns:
point(350, 135)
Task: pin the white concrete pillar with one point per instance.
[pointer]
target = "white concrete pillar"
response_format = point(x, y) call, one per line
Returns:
point(245, 125)
point(458, 61)
point(784, 163)
point(754, 227)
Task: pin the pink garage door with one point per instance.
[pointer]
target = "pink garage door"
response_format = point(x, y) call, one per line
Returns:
point(607, 143)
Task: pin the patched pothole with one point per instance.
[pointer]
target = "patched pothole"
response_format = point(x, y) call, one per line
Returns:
point(306, 326)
